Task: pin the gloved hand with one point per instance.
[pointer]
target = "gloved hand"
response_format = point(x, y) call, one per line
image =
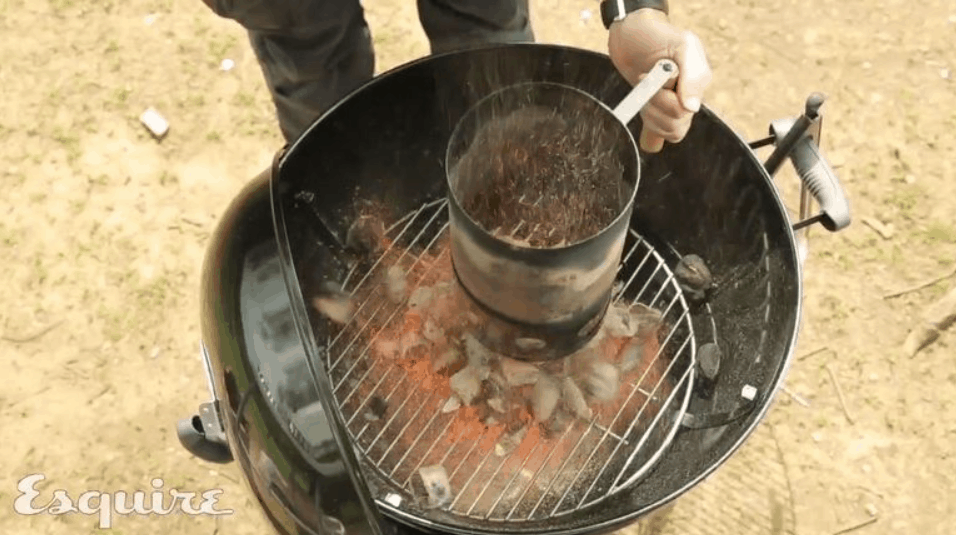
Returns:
point(639, 41)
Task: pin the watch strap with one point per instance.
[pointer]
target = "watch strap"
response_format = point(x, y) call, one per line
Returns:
point(615, 10)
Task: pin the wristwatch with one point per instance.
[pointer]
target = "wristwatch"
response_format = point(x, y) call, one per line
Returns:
point(615, 10)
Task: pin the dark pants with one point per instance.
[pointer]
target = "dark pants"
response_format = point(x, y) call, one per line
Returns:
point(314, 52)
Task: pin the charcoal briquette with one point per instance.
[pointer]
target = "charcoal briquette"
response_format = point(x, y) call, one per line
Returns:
point(466, 384)
point(603, 381)
point(632, 355)
point(395, 284)
point(366, 235)
point(451, 405)
point(518, 373)
point(709, 357)
point(437, 485)
point(544, 398)
point(510, 441)
point(376, 409)
point(694, 277)
point(574, 399)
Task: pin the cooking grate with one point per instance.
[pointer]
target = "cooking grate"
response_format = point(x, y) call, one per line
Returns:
point(581, 466)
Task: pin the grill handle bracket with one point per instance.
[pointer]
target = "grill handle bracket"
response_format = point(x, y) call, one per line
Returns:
point(799, 139)
point(202, 434)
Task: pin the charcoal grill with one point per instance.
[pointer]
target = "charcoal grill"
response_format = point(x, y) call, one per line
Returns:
point(292, 390)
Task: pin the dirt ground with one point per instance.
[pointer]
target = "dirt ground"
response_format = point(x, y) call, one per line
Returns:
point(103, 230)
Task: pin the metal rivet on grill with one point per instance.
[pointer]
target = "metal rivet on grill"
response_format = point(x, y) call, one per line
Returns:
point(749, 393)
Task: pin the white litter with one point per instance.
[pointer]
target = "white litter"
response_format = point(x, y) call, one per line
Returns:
point(227, 65)
point(155, 123)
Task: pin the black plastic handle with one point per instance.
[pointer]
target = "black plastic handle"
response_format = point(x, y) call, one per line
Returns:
point(193, 437)
point(814, 170)
point(796, 139)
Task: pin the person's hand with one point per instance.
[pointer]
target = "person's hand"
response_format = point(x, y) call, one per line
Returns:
point(639, 41)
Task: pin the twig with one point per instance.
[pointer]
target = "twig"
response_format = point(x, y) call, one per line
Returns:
point(814, 352)
point(877, 227)
point(796, 397)
point(919, 287)
point(32, 337)
point(857, 526)
point(229, 477)
point(839, 391)
point(101, 393)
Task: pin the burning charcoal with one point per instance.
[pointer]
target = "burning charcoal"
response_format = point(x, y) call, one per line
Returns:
point(452, 405)
point(334, 303)
point(497, 381)
point(584, 358)
point(435, 479)
point(376, 409)
point(619, 323)
point(603, 381)
point(466, 384)
point(494, 332)
point(574, 399)
point(544, 398)
point(632, 355)
point(559, 423)
point(478, 355)
point(510, 441)
point(694, 277)
point(530, 344)
point(409, 341)
point(395, 284)
point(432, 332)
point(388, 349)
point(647, 319)
point(421, 297)
point(442, 289)
point(708, 357)
point(518, 373)
point(446, 360)
point(366, 235)
point(497, 405)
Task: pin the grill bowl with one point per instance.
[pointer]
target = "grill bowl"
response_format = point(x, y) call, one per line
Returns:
point(386, 143)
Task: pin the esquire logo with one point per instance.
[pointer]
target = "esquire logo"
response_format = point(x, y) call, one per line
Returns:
point(105, 504)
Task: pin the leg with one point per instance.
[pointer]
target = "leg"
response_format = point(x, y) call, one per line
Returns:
point(312, 52)
point(457, 24)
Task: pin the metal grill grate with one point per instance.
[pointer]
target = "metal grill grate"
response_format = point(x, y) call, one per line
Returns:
point(584, 465)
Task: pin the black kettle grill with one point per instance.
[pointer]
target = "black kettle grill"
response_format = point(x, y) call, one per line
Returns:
point(331, 444)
